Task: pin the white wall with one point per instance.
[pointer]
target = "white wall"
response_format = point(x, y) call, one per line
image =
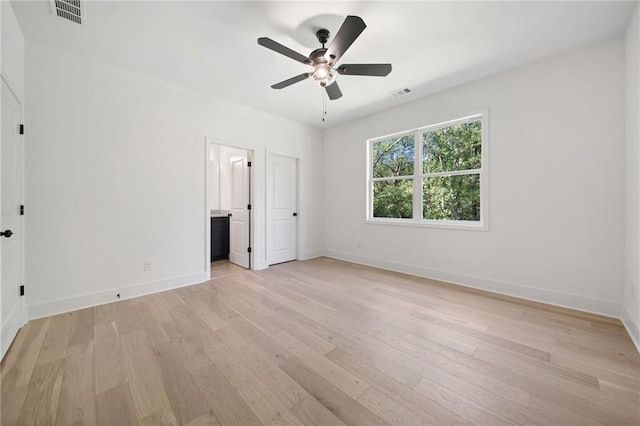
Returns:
point(116, 176)
point(631, 299)
point(556, 185)
point(12, 62)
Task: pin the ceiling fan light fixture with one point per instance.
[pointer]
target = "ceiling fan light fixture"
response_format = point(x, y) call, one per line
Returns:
point(323, 75)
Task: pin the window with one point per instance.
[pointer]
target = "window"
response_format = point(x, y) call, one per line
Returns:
point(434, 175)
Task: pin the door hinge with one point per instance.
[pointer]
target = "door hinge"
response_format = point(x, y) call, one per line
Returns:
point(248, 206)
point(22, 129)
point(21, 210)
point(21, 290)
point(248, 163)
point(248, 249)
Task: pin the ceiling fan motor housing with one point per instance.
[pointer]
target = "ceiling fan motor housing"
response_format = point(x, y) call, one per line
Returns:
point(323, 36)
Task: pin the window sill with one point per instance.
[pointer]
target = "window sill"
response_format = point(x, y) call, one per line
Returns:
point(441, 224)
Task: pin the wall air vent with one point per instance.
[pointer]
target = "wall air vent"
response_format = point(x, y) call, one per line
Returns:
point(67, 9)
point(400, 92)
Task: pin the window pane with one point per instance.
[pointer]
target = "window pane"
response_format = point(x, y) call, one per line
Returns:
point(451, 197)
point(393, 198)
point(393, 157)
point(452, 148)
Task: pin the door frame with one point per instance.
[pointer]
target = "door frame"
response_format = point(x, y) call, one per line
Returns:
point(207, 213)
point(297, 207)
point(22, 305)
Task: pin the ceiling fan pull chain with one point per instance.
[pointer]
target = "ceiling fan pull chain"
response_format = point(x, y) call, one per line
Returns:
point(324, 104)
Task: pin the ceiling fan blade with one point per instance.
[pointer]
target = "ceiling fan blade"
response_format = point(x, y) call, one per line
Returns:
point(347, 34)
point(283, 50)
point(376, 70)
point(333, 90)
point(290, 81)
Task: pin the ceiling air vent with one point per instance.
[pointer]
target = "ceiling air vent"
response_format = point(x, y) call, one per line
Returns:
point(400, 92)
point(68, 9)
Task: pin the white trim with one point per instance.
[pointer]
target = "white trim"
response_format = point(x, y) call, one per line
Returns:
point(632, 327)
point(207, 206)
point(7, 337)
point(311, 254)
point(426, 223)
point(261, 264)
point(107, 296)
point(565, 300)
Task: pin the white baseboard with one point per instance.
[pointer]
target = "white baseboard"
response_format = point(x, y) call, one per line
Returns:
point(572, 301)
point(633, 328)
point(7, 334)
point(311, 254)
point(260, 264)
point(60, 306)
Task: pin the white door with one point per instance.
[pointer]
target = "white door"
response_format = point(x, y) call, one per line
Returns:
point(281, 208)
point(239, 220)
point(10, 223)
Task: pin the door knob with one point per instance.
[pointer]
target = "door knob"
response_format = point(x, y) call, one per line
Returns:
point(295, 214)
point(7, 234)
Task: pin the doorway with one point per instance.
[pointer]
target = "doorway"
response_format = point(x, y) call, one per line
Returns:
point(11, 210)
point(229, 183)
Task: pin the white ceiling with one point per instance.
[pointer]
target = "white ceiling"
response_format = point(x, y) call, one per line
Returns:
point(210, 46)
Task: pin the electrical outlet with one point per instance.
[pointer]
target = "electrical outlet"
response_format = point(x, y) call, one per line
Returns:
point(146, 266)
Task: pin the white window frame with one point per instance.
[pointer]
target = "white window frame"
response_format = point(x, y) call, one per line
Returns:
point(419, 176)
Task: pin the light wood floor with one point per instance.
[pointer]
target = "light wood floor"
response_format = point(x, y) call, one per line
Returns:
point(321, 342)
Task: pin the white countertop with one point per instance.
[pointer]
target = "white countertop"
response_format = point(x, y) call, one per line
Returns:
point(219, 213)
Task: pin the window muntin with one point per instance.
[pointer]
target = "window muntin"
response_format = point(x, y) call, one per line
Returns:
point(445, 185)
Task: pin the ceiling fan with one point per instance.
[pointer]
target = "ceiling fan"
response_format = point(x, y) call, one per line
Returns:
point(323, 60)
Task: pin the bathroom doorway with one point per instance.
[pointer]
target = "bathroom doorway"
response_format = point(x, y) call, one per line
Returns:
point(229, 202)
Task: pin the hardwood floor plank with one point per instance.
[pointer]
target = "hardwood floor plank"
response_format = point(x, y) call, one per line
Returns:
point(17, 365)
point(82, 332)
point(185, 397)
point(274, 350)
point(390, 367)
point(385, 407)
point(310, 339)
point(343, 379)
point(147, 390)
point(262, 401)
point(153, 330)
point(110, 371)
point(228, 407)
point(125, 318)
point(288, 391)
point(208, 419)
point(321, 342)
point(115, 407)
point(78, 395)
point(103, 313)
point(43, 394)
point(206, 314)
point(311, 412)
point(492, 401)
point(56, 341)
point(430, 410)
point(331, 397)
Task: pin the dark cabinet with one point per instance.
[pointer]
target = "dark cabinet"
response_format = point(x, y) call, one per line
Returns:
point(219, 238)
